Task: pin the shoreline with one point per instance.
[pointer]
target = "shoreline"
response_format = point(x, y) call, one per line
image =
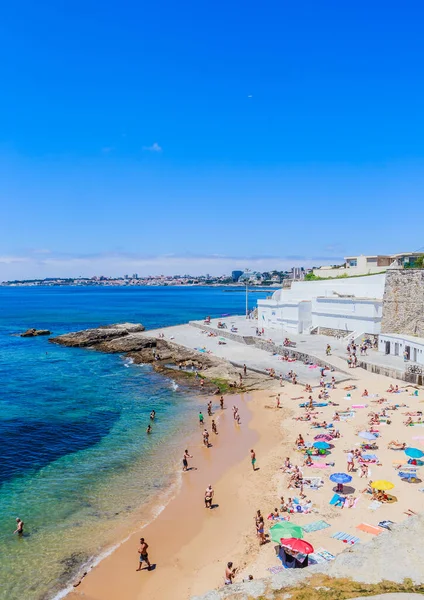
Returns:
point(188, 500)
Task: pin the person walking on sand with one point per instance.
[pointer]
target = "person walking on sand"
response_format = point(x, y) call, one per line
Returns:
point(278, 401)
point(350, 463)
point(19, 526)
point(185, 460)
point(253, 459)
point(201, 418)
point(245, 370)
point(209, 497)
point(206, 438)
point(221, 402)
point(214, 429)
point(144, 557)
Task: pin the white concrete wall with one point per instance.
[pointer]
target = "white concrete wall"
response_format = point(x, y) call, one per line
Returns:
point(347, 314)
point(398, 345)
point(315, 304)
point(350, 271)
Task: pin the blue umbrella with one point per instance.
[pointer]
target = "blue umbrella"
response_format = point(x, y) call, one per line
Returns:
point(340, 478)
point(367, 435)
point(414, 452)
point(321, 445)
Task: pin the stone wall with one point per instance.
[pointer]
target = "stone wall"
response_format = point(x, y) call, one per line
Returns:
point(403, 302)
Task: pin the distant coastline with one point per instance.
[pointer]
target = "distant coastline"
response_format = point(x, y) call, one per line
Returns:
point(237, 287)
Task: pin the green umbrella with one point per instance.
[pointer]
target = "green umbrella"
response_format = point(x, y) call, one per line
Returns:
point(284, 530)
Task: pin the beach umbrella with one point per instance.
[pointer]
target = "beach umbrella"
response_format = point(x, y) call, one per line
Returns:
point(297, 545)
point(367, 435)
point(285, 529)
point(323, 437)
point(321, 445)
point(414, 452)
point(382, 484)
point(340, 478)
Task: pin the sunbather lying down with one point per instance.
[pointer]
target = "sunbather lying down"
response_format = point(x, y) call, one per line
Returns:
point(396, 445)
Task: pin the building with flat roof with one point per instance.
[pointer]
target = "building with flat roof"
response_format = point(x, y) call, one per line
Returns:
point(367, 265)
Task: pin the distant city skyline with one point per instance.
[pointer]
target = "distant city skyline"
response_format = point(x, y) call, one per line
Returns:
point(208, 140)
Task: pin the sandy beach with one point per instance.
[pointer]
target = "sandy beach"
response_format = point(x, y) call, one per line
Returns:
point(190, 546)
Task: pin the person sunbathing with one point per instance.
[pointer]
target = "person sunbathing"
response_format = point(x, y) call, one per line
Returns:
point(368, 489)
point(336, 416)
point(391, 389)
point(417, 413)
point(365, 393)
point(396, 445)
point(287, 465)
point(350, 501)
point(408, 421)
point(306, 417)
point(308, 462)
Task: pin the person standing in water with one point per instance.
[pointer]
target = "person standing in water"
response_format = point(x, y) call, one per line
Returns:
point(185, 461)
point(206, 438)
point(144, 557)
point(149, 429)
point(214, 429)
point(209, 497)
point(19, 526)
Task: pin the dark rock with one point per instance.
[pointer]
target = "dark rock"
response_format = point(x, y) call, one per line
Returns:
point(35, 332)
point(95, 337)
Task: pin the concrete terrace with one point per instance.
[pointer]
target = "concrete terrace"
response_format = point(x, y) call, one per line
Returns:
point(238, 352)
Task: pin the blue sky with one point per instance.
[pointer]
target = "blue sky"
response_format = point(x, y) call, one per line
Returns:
point(192, 137)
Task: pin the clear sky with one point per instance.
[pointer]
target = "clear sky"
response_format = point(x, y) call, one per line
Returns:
point(161, 137)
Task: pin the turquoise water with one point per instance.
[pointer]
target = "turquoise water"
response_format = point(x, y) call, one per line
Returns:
point(75, 462)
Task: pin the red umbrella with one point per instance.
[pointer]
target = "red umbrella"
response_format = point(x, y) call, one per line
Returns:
point(323, 437)
point(297, 545)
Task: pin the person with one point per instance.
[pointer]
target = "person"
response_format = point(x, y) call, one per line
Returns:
point(300, 441)
point(149, 429)
point(350, 463)
point(214, 429)
point(185, 461)
point(201, 418)
point(19, 526)
point(229, 573)
point(328, 350)
point(278, 401)
point(333, 383)
point(364, 470)
point(209, 409)
point(221, 402)
point(365, 393)
point(206, 438)
point(253, 459)
point(209, 497)
point(245, 370)
point(260, 530)
point(308, 462)
point(396, 445)
point(144, 557)
point(281, 380)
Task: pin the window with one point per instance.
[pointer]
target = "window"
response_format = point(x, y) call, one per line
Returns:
point(353, 262)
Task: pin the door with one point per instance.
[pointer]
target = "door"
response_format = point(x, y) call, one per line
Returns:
point(387, 347)
point(414, 352)
point(408, 352)
point(396, 348)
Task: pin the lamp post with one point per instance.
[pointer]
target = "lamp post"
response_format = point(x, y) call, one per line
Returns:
point(247, 298)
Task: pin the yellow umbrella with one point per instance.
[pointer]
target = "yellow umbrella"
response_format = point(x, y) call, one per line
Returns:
point(382, 484)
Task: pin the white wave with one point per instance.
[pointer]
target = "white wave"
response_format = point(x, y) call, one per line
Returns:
point(174, 385)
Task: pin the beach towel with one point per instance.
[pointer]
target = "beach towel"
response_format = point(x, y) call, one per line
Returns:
point(319, 466)
point(335, 499)
point(359, 405)
point(375, 504)
point(324, 554)
point(276, 569)
point(369, 458)
point(372, 529)
point(315, 526)
point(345, 537)
point(418, 437)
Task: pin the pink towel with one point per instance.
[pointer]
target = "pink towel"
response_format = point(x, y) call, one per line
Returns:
point(359, 405)
point(418, 437)
point(319, 466)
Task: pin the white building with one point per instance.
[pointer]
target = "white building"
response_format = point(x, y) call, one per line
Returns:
point(339, 306)
point(396, 344)
point(366, 265)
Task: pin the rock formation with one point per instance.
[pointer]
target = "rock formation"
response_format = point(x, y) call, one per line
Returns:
point(91, 338)
point(35, 332)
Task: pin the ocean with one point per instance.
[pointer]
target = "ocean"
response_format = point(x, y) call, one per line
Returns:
point(75, 462)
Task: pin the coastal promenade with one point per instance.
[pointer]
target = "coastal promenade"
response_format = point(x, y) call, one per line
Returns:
point(239, 353)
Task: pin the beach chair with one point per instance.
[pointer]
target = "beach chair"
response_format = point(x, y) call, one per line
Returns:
point(408, 474)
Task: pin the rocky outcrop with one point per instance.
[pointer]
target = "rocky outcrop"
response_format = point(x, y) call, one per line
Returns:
point(35, 332)
point(89, 338)
point(403, 302)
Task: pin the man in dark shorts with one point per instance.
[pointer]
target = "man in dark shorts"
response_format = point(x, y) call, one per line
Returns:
point(185, 461)
point(144, 557)
point(208, 497)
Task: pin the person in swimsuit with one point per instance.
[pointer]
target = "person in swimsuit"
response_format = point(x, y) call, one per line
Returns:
point(19, 526)
point(185, 461)
point(213, 425)
point(149, 429)
point(144, 557)
point(229, 573)
point(260, 530)
point(253, 459)
point(206, 438)
point(209, 497)
point(221, 402)
point(201, 418)
point(153, 415)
